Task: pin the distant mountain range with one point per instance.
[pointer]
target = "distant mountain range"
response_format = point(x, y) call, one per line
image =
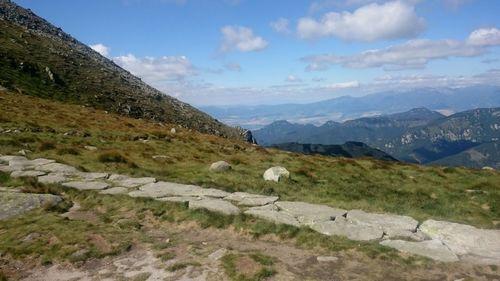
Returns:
point(445, 100)
point(470, 138)
point(349, 150)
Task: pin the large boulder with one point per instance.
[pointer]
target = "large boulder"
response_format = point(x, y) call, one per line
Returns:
point(276, 174)
point(480, 245)
point(220, 166)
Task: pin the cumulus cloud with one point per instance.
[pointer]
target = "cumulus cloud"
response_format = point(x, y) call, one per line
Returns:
point(484, 37)
point(280, 26)
point(396, 19)
point(159, 69)
point(413, 54)
point(240, 38)
point(101, 49)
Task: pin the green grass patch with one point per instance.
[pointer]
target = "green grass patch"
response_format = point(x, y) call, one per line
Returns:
point(248, 267)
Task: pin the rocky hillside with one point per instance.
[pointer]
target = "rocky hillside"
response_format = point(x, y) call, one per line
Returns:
point(417, 136)
point(37, 58)
point(349, 149)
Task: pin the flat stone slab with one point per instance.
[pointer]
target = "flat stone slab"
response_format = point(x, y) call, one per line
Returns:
point(134, 182)
point(20, 174)
point(57, 168)
point(87, 185)
point(168, 189)
point(115, 190)
point(433, 249)
point(308, 214)
point(140, 193)
point(91, 176)
point(13, 204)
point(215, 205)
point(481, 245)
point(179, 199)
point(342, 227)
point(273, 216)
point(53, 178)
point(392, 225)
point(248, 199)
point(30, 164)
point(8, 158)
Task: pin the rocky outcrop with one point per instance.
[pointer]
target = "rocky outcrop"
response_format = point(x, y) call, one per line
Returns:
point(14, 203)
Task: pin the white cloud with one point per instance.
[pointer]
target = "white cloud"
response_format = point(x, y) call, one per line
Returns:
point(160, 69)
point(344, 85)
point(293, 79)
point(485, 37)
point(371, 22)
point(413, 54)
point(240, 38)
point(280, 26)
point(101, 49)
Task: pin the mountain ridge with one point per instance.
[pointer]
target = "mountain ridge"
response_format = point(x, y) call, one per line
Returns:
point(40, 59)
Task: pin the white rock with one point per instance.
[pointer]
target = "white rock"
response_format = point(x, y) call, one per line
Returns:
point(220, 166)
point(135, 182)
point(217, 255)
point(90, 147)
point(276, 174)
point(327, 259)
point(433, 249)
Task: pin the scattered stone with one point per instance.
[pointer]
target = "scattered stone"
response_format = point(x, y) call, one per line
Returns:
point(276, 174)
point(20, 174)
point(156, 157)
point(8, 158)
point(215, 205)
point(327, 259)
point(173, 131)
point(115, 190)
point(217, 255)
point(247, 199)
point(53, 178)
point(392, 225)
point(342, 227)
point(13, 204)
point(80, 253)
point(220, 166)
point(90, 148)
point(86, 185)
point(308, 214)
point(179, 199)
point(57, 168)
point(274, 216)
point(31, 237)
point(23, 152)
point(433, 249)
point(487, 168)
point(481, 245)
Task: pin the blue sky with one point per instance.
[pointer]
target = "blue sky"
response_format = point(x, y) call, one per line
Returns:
point(266, 52)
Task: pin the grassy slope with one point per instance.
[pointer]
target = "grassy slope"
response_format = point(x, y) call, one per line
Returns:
point(60, 131)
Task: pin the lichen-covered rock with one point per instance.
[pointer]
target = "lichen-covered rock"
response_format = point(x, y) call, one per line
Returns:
point(215, 205)
point(353, 231)
point(276, 174)
point(220, 166)
point(392, 225)
point(13, 203)
point(308, 214)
